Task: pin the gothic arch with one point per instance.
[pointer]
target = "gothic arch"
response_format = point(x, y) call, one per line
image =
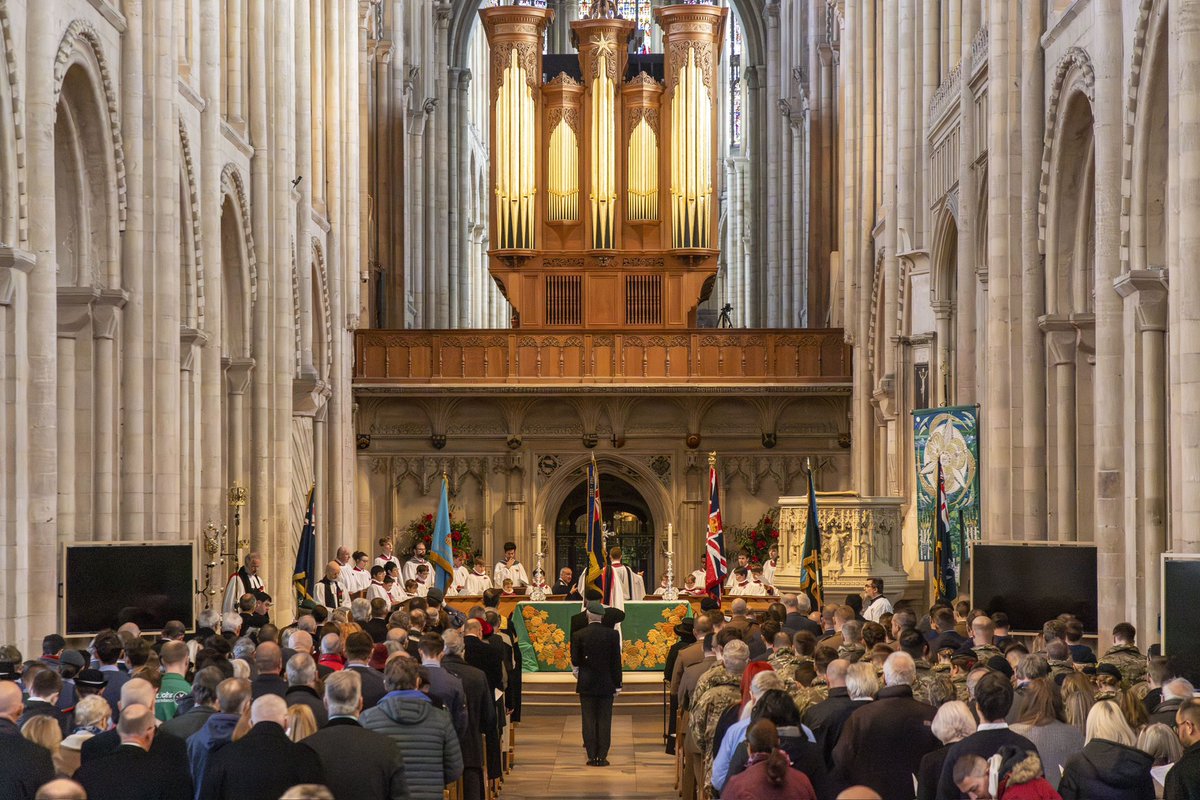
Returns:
point(190, 239)
point(238, 270)
point(1144, 175)
point(572, 470)
point(14, 203)
point(944, 255)
point(81, 46)
point(1074, 74)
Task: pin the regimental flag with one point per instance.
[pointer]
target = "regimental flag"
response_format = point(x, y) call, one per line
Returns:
point(945, 582)
point(811, 581)
point(303, 577)
point(441, 556)
point(715, 566)
point(595, 531)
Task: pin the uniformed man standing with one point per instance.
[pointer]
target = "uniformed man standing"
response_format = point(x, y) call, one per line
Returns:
point(596, 657)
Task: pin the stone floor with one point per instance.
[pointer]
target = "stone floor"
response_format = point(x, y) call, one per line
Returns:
point(550, 761)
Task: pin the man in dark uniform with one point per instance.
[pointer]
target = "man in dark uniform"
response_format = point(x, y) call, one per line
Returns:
point(596, 656)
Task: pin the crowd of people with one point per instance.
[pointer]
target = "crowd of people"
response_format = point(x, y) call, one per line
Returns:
point(864, 702)
point(357, 702)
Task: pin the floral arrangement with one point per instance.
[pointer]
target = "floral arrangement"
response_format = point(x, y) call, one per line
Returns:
point(421, 530)
point(758, 539)
point(652, 651)
point(549, 641)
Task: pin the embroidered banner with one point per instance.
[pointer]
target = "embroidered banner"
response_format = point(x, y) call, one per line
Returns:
point(951, 435)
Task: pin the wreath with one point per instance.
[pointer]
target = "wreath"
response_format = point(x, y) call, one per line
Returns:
point(421, 530)
point(756, 540)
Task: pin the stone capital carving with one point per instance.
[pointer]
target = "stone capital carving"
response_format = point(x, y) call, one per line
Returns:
point(309, 395)
point(237, 374)
point(1061, 340)
point(191, 341)
point(104, 321)
point(1146, 289)
point(12, 262)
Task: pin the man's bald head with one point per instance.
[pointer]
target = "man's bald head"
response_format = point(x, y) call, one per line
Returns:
point(11, 705)
point(300, 641)
point(835, 673)
point(268, 659)
point(136, 721)
point(137, 692)
point(859, 793)
point(61, 789)
point(269, 708)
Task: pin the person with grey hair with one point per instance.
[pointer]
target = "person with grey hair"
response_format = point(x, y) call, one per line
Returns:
point(136, 692)
point(798, 608)
point(61, 789)
point(861, 682)
point(207, 622)
point(246, 580)
point(828, 717)
point(132, 772)
point(231, 624)
point(204, 705)
point(331, 653)
point(952, 723)
point(244, 648)
point(264, 762)
point(376, 771)
point(721, 691)
point(360, 610)
point(481, 713)
point(1174, 692)
point(302, 687)
point(894, 730)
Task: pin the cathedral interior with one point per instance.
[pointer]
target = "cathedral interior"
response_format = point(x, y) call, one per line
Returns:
point(250, 250)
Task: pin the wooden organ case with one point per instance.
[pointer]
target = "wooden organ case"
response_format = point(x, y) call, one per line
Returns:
point(605, 204)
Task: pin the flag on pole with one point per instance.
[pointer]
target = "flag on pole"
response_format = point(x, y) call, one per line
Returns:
point(715, 566)
point(943, 548)
point(442, 553)
point(303, 577)
point(811, 582)
point(595, 531)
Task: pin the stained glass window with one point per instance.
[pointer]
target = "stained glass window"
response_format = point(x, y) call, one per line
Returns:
point(639, 11)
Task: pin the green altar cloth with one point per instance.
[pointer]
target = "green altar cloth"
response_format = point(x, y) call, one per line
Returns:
point(544, 634)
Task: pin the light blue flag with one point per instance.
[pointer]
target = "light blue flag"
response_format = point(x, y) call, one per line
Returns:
point(442, 555)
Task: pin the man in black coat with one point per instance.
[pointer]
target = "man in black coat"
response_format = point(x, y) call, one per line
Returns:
point(596, 654)
point(264, 762)
point(612, 616)
point(133, 771)
point(170, 750)
point(993, 699)
point(24, 766)
point(268, 664)
point(44, 691)
point(375, 770)
point(358, 655)
point(1183, 781)
point(893, 732)
point(481, 713)
point(798, 608)
point(827, 718)
point(482, 655)
point(204, 698)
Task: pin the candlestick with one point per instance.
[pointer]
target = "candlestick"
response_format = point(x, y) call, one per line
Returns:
point(538, 592)
point(670, 593)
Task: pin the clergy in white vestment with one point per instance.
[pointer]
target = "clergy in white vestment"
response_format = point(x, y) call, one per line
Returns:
point(478, 581)
point(342, 557)
point(356, 580)
point(245, 581)
point(376, 587)
point(768, 567)
point(409, 570)
point(458, 580)
point(877, 605)
point(743, 586)
point(394, 591)
point(508, 568)
point(386, 553)
point(743, 560)
point(328, 591)
point(424, 580)
point(662, 587)
point(621, 584)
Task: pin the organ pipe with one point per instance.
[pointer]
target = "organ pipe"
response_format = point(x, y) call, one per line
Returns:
point(562, 186)
point(516, 183)
point(691, 157)
point(643, 173)
point(603, 152)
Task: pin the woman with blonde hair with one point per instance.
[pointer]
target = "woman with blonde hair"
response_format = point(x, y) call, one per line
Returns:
point(300, 722)
point(1043, 721)
point(1109, 767)
point(953, 723)
point(43, 730)
point(1162, 745)
point(92, 716)
point(1078, 698)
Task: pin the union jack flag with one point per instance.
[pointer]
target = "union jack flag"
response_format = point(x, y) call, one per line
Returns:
point(715, 566)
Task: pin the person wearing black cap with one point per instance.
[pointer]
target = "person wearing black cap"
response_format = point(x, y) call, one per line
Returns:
point(685, 630)
point(596, 658)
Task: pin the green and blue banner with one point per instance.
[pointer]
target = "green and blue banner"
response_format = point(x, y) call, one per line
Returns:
point(949, 437)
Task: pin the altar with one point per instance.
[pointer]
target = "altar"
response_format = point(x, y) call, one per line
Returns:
point(544, 633)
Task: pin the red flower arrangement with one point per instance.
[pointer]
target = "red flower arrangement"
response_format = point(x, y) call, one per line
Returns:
point(421, 530)
point(757, 539)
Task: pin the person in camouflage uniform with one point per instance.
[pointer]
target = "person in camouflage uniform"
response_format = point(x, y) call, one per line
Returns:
point(818, 689)
point(1108, 682)
point(723, 690)
point(982, 639)
point(784, 661)
point(1124, 654)
point(852, 648)
point(1058, 656)
point(912, 642)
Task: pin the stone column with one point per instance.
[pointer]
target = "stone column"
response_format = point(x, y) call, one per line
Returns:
point(234, 83)
point(968, 193)
point(771, 288)
point(943, 322)
point(1060, 340)
point(105, 320)
point(1108, 30)
point(191, 351)
point(237, 381)
point(997, 491)
point(864, 265)
point(1145, 293)
point(442, 216)
point(751, 305)
point(73, 319)
point(1033, 504)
